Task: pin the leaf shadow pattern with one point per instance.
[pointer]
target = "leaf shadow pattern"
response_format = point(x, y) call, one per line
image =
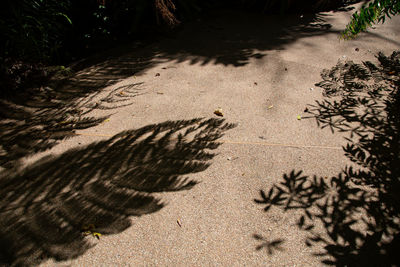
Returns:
point(270, 246)
point(36, 119)
point(359, 209)
point(45, 206)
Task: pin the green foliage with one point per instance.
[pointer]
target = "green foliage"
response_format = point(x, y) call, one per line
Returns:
point(33, 30)
point(375, 12)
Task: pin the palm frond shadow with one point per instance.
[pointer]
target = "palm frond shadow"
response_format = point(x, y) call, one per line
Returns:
point(45, 206)
point(359, 209)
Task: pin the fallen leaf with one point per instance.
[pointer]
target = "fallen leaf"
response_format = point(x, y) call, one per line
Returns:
point(269, 107)
point(179, 223)
point(97, 235)
point(90, 230)
point(106, 120)
point(218, 112)
point(86, 233)
point(298, 117)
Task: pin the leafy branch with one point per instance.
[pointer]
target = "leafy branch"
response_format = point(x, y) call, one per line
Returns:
point(376, 12)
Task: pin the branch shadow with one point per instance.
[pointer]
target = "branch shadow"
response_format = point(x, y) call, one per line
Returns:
point(46, 206)
point(359, 209)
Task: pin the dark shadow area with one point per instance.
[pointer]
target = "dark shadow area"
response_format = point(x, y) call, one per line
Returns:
point(234, 37)
point(359, 209)
point(46, 206)
point(227, 36)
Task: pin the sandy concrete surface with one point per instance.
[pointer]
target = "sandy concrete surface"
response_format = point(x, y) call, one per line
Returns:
point(261, 71)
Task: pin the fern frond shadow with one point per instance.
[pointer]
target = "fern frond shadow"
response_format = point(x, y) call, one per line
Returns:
point(45, 205)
